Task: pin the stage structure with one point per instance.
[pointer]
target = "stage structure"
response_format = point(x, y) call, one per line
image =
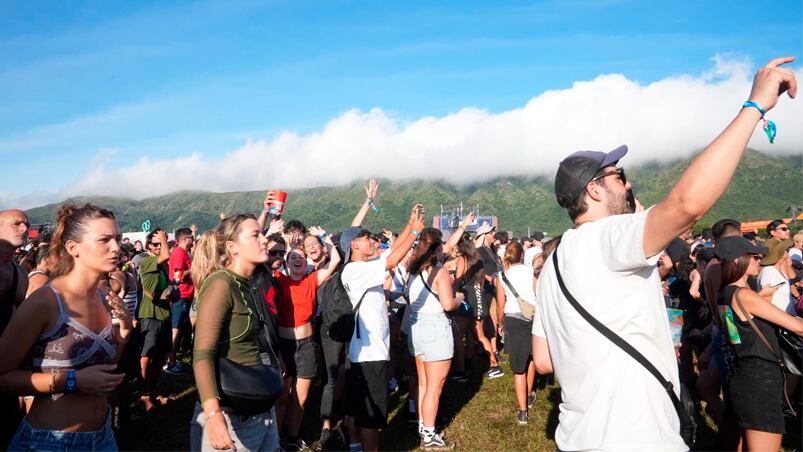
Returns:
point(452, 215)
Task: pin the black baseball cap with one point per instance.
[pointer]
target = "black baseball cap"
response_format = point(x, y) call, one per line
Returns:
point(577, 170)
point(731, 247)
point(346, 238)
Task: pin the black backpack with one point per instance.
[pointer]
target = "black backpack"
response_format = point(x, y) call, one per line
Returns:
point(338, 316)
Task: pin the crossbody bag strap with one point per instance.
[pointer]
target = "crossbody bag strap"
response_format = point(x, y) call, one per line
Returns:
point(755, 328)
point(509, 285)
point(619, 342)
point(356, 313)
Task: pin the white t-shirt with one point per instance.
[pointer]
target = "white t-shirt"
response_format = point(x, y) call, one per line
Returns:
point(770, 276)
point(610, 402)
point(501, 251)
point(530, 253)
point(521, 277)
point(372, 317)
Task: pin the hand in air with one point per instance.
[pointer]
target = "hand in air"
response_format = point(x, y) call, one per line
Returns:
point(771, 81)
point(371, 188)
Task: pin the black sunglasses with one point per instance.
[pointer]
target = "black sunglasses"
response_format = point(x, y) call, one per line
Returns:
point(618, 171)
point(782, 229)
point(276, 252)
point(156, 243)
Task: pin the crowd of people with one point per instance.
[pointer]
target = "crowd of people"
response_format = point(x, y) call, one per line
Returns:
point(89, 322)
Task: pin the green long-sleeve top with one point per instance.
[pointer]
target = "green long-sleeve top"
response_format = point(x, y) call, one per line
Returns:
point(225, 327)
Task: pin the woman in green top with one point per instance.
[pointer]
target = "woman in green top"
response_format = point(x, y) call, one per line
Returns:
point(227, 327)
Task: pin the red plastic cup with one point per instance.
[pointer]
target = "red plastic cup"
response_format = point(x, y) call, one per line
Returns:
point(277, 207)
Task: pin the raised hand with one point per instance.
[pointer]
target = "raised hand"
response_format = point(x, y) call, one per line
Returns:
point(771, 81)
point(417, 218)
point(270, 198)
point(222, 216)
point(317, 231)
point(276, 225)
point(371, 188)
point(468, 220)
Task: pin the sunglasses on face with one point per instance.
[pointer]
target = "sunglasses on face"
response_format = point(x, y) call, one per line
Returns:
point(276, 253)
point(620, 172)
point(156, 244)
point(782, 229)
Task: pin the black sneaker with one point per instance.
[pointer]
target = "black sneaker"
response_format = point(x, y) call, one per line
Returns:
point(436, 442)
point(326, 439)
point(522, 417)
point(459, 377)
point(494, 372)
point(531, 399)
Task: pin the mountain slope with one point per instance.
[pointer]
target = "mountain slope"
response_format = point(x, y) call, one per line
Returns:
point(762, 188)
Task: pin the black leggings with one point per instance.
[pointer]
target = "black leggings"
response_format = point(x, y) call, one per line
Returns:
point(334, 358)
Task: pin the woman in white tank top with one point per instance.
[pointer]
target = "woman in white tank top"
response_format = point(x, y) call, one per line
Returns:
point(429, 291)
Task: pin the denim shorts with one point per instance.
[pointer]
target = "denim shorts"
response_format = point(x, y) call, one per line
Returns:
point(256, 432)
point(180, 313)
point(756, 391)
point(431, 336)
point(29, 438)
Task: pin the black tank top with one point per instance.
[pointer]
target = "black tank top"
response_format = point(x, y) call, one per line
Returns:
point(8, 299)
point(750, 345)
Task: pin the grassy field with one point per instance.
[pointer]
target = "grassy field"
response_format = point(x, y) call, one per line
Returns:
point(479, 416)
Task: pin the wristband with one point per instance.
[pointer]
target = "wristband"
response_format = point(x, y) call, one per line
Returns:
point(70, 387)
point(769, 126)
point(214, 412)
point(324, 236)
point(414, 232)
point(372, 205)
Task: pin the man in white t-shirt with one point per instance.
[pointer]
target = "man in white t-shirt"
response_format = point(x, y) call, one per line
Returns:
point(369, 351)
point(776, 270)
point(534, 249)
point(608, 262)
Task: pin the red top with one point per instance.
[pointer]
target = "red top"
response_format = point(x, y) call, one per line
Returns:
point(298, 300)
point(180, 262)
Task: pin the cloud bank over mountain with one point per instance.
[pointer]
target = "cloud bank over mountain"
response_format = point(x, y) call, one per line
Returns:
point(663, 121)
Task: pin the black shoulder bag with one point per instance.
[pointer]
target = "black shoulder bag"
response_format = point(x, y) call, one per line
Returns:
point(683, 406)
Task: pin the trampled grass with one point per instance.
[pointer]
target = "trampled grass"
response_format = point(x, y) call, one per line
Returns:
point(479, 416)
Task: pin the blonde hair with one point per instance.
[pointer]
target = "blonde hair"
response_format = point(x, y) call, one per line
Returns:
point(72, 224)
point(203, 260)
point(210, 251)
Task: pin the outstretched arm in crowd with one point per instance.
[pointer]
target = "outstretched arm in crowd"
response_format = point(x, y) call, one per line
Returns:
point(334, 257)
point(415, 224)
point(709, 174)
point(458, 233)
point(164, 253)
point(370, 195)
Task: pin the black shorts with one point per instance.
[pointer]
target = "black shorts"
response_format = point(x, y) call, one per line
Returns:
point(300, 357)
point(756, 390)
point(156, 336)
point(129, 360)
point(518, 343)
point(367, 394)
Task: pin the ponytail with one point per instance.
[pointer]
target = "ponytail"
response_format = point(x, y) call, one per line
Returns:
point(72, 224)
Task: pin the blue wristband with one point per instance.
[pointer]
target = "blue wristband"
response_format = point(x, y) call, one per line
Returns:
point(751, 104)
point(70, 381)
point(769, 126)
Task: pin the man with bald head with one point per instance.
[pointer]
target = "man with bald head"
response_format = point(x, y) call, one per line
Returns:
point(13, 280)
point(13, 285)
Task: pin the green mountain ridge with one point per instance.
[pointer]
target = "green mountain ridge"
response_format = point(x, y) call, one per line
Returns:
point(761, 189)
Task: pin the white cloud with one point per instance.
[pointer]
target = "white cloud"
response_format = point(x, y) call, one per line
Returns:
point(663, 121)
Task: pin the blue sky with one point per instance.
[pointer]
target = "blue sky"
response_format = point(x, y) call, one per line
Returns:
point(111, 83)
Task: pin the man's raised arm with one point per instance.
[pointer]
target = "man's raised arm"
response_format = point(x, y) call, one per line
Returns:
point(706, 179)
